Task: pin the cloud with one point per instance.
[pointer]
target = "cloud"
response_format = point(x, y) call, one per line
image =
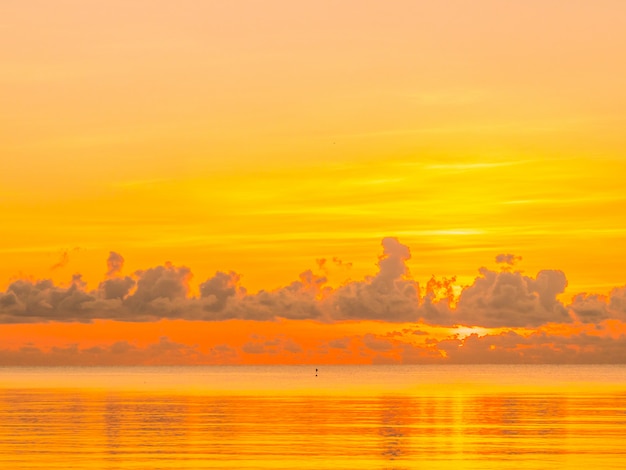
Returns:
point(593, 308)
point(603, 343)
point(507, 299)
point(276, 345)
point(618, 302)
point(254, 347)
point(339, 343)
point(161, 282)
point(507, 258)
point(321, 264)
point(298, 301)
point(163, 352)
point(115, 263)
point(219, 289)
point(504, 298)
point(292, 347)
point(376, 343)
point(63, 260)
point(223, 354)
point(590, 308)
point(341, 263)
point(161, 292)
point(116, 288)
point(589, 345)
point(388, 296)
point(537, 348)
point(28, 301)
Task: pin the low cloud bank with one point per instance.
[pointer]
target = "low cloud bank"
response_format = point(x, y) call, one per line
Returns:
point(505, 298)
point(595, 345)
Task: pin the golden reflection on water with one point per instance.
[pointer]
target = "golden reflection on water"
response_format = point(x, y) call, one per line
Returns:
point(467, 424)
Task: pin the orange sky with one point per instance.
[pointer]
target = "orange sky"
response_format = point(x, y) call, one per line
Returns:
point(263, 137)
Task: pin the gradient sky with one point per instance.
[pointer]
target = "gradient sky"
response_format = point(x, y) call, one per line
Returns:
point(239, 164)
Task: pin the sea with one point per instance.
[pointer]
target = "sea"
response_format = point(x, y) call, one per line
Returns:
point(314, 417)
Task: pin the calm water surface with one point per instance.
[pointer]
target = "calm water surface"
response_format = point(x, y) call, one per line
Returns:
point(379, 417)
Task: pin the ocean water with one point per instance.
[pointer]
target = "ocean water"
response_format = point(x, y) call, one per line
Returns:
point(378, 417)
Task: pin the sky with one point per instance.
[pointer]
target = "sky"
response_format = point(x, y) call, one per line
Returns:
point(321, 182)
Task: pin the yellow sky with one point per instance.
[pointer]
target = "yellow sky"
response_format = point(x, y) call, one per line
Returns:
point(260, 137)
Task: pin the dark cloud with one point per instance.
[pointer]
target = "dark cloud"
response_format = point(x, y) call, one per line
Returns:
point(388, 296)
point(593, 308)
point(63, 260)
point(377, 343)
point(162, 282)
point(507, 258)
point(512, 299)
point(163, 352)
point(116, 288)
point(292, 347)
point(277, 345)
point(504, 298)
point(590, 308)
point(595, 345)
point(255, 347)
point(219, 289)
point(618, 302)
point(115, 263)
point(297, 301)
point(33, 301)
point(339, 343)
point(223, 354)
point(161, 292)
point(341, 263)
point(537, 348)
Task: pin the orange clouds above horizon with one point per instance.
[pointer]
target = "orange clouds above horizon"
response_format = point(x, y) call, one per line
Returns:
point(152, 317)
point(495, 299)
